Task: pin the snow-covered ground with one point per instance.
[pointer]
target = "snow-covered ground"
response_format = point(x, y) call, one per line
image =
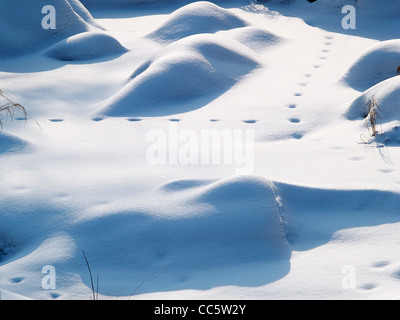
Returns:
point(293, 199)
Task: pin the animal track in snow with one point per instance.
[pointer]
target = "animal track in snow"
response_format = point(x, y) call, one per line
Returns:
point(356, 158)
point(297, 136)
point(385, 170)
point(396, 274)
point(17, 280)
point(250, 121)
point(380, 264)
point(368, 286)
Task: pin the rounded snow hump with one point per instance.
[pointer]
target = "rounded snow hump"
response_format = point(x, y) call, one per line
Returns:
point(10, 143)
point(200, 66)
point(22, 31)
point(376, 64)
point(196, 18)
point(85, 46)
point(386, 96)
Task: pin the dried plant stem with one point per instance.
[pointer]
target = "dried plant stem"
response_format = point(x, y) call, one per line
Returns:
point(95, 294)
point(10, 108)
point(372, 110)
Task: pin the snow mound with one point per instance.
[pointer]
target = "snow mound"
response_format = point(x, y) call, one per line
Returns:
point(9, 143)
point(84, 46)
point(81, 10)
point(22, 31)
point(246, 210)
point(315, 215)
point(183, 185)
point(387, 96)
point(243, 187)
point(196, 18)
point(255, 38)
point(241, 227)
point(376, 64)
point(201, 66)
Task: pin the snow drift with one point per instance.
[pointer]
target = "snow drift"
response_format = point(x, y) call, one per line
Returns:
point(314, 215)
point(253, 37)
point(376, 64)
point(84, 46)
point(194, 67)
point(21, 25)
point(243, 226)
point(196, 18)
point(226, 224)
point(386, 96)
point(9, 143)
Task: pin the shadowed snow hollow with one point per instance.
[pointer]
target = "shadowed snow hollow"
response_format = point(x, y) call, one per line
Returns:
point(201, 66)
point(85, 46)
point(369, 8)
point(21, 24)
point(116, 3)
point(376, 64)
point(196, 18)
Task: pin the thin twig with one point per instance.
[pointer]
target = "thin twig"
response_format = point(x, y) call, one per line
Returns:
point(90, 273)
point(136, 289)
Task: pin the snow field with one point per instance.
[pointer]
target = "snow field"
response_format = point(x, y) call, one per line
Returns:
point(318, 201)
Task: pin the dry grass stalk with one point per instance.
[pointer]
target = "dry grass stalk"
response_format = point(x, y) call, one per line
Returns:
point(95, 293)
point(372, 111)
point(10, 108)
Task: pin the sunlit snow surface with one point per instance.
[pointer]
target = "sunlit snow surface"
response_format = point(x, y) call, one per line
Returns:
point(319, 199)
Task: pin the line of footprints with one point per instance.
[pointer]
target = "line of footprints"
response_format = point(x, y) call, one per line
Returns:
point(295, 120)
point(325, 50)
